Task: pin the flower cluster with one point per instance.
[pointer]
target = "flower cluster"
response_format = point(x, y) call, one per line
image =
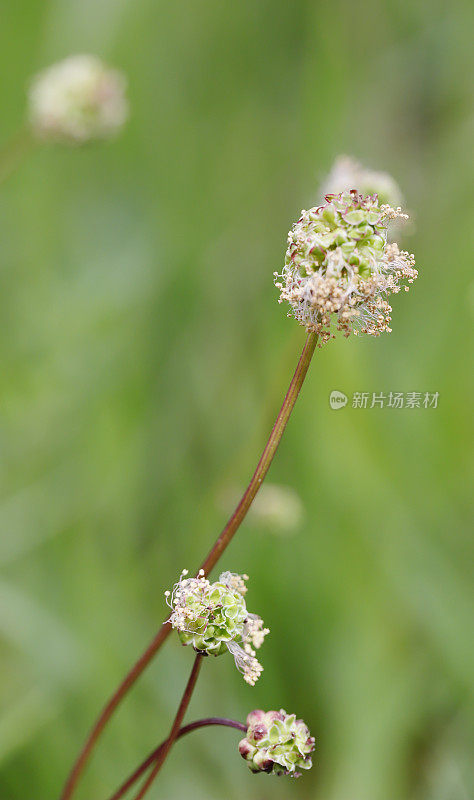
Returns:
point(77, 100)
point(347, 173)
point(277, 743)
point(213, 618)
point(339, 266)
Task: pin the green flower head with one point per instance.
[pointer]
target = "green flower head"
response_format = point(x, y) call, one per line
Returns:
point(276, 743)
point(339, 266)
point(213, 618)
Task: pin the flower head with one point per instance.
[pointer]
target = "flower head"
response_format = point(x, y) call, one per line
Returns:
point(77, 100)
point(277, 508)
point(277, 743)
point(347, 173)
point(339, 266)
point(213, 618)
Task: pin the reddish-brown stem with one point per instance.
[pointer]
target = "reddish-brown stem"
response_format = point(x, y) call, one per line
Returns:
point(267, 456)
point(209, 562)
point(200, 723)
point(183, 706)
point(109, 709)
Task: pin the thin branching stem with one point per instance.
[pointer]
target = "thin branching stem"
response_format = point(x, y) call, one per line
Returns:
point(182, 708)
point(208, 563)
point(192, 726)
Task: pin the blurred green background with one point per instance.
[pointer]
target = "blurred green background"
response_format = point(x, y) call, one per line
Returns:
point(144, 356)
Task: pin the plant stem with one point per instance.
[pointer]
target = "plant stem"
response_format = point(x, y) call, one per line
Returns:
point(267, 456)
point(212, 558)
point(161, 757)
point(109, 709)
point(200, 723)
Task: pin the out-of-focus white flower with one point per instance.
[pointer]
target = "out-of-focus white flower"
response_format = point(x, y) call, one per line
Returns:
point(276, 508)
point(77, 100)
point(347, 173)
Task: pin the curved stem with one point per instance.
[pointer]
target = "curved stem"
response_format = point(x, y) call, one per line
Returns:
point(192, 726)
point(109, 709)
point(267, 456)
point(183, 706)
point(208, 563)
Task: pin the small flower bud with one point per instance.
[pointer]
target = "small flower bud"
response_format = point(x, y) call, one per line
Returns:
point(276, 742)
point(255, 717)
point(77, 100)
point(213, 618)
point(339, 266)
point(261, 762)
point(246, 749)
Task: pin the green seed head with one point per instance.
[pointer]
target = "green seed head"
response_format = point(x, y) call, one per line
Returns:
point(277, 743)
point(213, 618)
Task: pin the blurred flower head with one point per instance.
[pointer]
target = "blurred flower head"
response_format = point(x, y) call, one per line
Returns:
point(339, 266)
point(277, 743)
point(347, 173)
point(213, 618)
point(77, 100)
point(277, 508)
